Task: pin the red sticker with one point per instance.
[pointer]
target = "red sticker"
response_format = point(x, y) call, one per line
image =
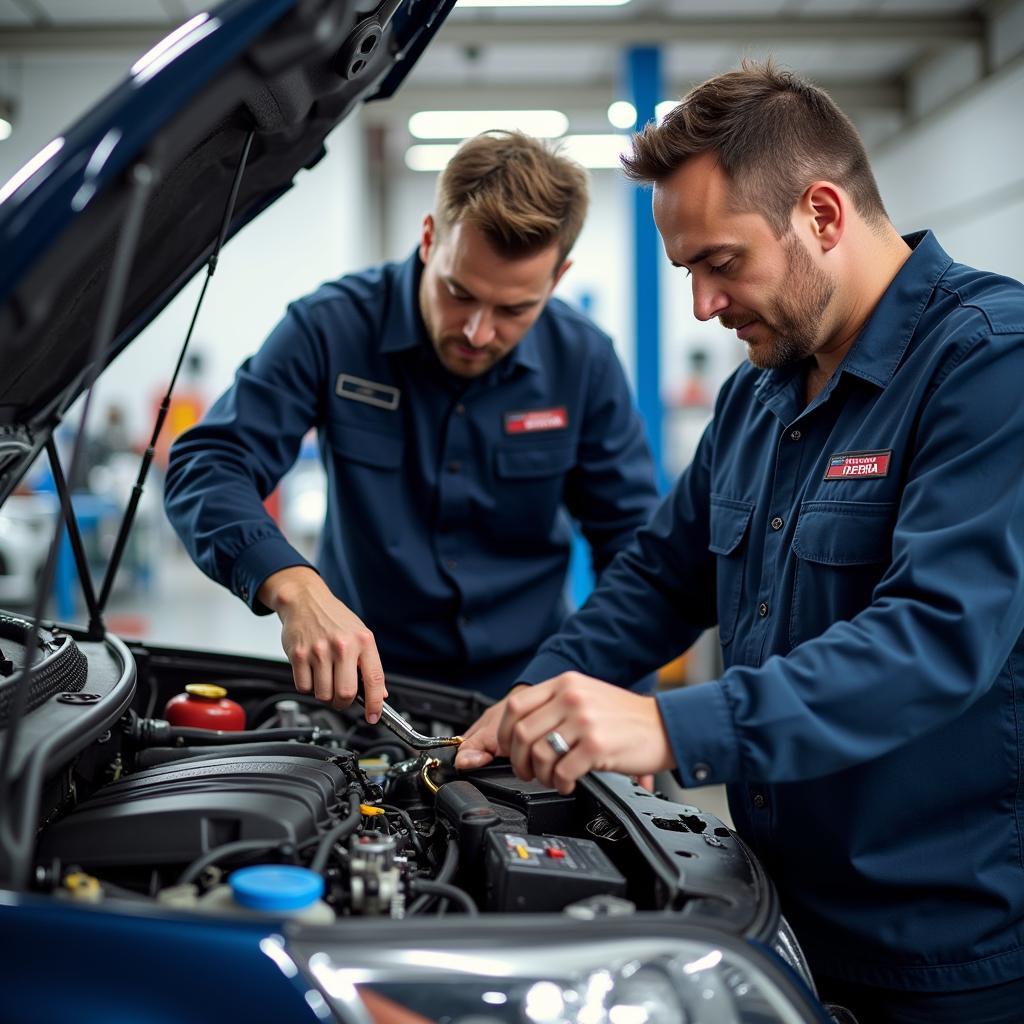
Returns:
point(856, 465)
point(536, 420)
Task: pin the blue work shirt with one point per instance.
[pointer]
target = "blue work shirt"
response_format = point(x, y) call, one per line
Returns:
point(863, 557)
point(447, 529)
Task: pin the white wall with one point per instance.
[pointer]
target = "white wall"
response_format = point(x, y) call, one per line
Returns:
point(959, 172)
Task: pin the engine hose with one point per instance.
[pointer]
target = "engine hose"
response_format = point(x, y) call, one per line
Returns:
point(342, 830)
point(233, 849)
point(154, 732)
point(445, 874)
point(449, 892)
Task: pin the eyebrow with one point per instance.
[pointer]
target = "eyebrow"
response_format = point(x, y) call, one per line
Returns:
point(524, 304)
point(709, 250)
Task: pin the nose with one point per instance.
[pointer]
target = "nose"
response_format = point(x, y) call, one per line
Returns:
point(479, 327)
point(708, 298)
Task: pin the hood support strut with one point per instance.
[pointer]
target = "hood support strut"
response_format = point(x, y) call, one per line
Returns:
point(96, 628)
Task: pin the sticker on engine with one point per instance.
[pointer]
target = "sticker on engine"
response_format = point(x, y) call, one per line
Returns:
point(857, 465)
point(536, 420)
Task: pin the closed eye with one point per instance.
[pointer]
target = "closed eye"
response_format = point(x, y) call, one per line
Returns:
point(721, 268)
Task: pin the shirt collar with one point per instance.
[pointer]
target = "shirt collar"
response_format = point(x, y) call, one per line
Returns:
point(404, 328)
point(880, 346)
point(884, 338)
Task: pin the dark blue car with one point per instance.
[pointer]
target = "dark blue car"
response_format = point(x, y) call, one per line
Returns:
point(308, 867)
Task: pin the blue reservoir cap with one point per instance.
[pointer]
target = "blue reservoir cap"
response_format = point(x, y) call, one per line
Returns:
point(275, 887)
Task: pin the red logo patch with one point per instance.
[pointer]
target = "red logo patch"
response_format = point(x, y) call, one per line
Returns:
point(856, 465)
point(536, 420)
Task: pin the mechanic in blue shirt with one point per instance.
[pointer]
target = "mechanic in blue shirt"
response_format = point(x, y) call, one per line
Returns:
point(463, 416)
point(853, 521)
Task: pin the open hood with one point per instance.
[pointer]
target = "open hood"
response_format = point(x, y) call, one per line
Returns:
point(285, 71)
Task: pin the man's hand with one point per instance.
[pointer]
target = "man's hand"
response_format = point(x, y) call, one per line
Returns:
point(328, 646)
point(606, 729)
point(480, 741)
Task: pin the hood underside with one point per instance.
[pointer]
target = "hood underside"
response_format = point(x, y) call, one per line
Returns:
point(286, 72)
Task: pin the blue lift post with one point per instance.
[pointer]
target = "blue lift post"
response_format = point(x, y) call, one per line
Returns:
point(643, 87)
point(643, 74)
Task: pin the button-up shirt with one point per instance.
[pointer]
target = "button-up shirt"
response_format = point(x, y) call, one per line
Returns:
point(863, 558)
point(448, 499)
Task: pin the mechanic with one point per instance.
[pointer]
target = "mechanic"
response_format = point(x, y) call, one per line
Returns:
point(853, 521)
point(461, 413)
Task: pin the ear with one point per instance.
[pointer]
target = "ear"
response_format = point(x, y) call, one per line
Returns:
point(428, 237)
point(823, 208)
point(560, 271)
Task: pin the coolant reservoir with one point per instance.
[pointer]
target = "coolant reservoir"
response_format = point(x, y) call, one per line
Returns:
point(205, 706)
point(281, 889)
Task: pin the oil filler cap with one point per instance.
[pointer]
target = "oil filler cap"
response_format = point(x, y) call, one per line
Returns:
point(275, 887)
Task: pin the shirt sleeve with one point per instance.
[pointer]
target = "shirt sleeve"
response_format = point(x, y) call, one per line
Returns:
point(653, 601)
point(612, 489)
point(220, 471)
point(942, 621)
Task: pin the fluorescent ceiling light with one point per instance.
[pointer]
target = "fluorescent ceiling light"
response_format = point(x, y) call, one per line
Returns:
point(461, 124)
point(5, 128)
point(662, 110)
point(593, 151)
point(429, 157)
point(622, 114)
point(541, 3)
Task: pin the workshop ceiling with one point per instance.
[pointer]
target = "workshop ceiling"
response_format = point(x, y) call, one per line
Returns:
point(861, 50)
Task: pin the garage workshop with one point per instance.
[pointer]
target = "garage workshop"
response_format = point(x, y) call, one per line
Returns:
point(512, 511)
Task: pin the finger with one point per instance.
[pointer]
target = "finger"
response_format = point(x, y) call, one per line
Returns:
point(518, 704)
point(301, 672)
point(346, 678)
point(529, 748)
point(567, 770)
point(372, 674)
point(320, 666)
point(472, 757)
point(646, 782)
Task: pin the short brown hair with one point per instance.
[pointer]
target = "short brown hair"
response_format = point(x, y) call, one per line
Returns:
point(522, 195)
point(773, 134)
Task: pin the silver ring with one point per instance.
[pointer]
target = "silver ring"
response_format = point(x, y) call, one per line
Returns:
point(556, 741)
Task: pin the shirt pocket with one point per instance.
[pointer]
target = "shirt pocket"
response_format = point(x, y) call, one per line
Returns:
point(530, 483)
point(365, 447)
point(842, 550)
point(730, 521)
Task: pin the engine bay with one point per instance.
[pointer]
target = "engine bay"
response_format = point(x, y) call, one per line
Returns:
point(132, 807)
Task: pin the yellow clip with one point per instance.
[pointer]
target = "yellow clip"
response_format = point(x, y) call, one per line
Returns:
point(523, 852)
point(83, 887)
point(370, 811)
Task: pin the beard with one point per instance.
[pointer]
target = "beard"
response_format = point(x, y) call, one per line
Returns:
point(795, 316)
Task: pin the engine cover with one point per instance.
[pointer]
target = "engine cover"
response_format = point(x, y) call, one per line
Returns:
point(176, 812)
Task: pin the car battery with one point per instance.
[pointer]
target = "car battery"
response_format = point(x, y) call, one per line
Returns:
point(540, 874)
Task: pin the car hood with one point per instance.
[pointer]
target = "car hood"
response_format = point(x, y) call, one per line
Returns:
point(285, 71)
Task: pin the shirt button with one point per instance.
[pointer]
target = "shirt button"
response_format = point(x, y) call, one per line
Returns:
point(777, 523)
point(451, 563)
point(759, 801)
point(454, 467)
point(701, 772)
point(762, 609)
point(795, 435)
point(244, 592)
point(460, 410)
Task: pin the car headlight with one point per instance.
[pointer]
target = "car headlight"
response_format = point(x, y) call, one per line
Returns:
point(628, 980)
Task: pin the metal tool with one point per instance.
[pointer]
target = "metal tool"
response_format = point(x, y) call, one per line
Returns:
point(407, 734)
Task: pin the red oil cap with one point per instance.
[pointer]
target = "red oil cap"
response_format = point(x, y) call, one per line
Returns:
point(205, 706)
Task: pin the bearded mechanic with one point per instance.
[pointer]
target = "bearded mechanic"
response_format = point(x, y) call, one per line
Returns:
point(463, 416)
point(853, 521)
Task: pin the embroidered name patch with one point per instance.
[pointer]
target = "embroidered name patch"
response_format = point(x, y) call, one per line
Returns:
point(536, 420)
point(852, 465)
point(384, 396)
